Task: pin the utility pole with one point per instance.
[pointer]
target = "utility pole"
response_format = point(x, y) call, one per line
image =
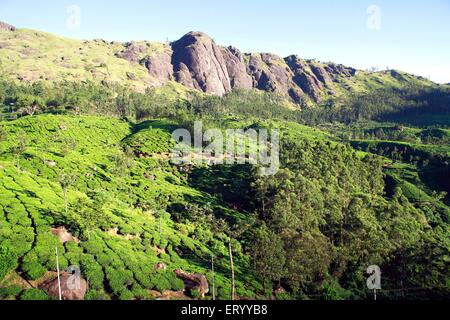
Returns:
point(57, 271)
point(232, 272)
point(212, 269)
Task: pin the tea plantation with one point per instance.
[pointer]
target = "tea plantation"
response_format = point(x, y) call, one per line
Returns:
point(115, 206)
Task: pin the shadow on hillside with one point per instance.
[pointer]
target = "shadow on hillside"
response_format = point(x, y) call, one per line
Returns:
point(155, 124)
point(231, 184)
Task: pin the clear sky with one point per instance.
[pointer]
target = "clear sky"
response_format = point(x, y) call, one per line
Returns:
point(410, 35)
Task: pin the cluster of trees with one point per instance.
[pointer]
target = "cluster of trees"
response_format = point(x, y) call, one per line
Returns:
point(87, 98)
point(404, 105)
point(323, 219)
point(400, 105)
point(313, 228)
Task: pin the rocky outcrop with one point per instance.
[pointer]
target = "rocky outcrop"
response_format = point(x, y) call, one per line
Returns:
point(64, 235)
point(160, 66)
point(271, 73)
point(338, 69)
point(304, 77)
point(72, 287)
point(321, 74)
point(132, 52)
point(6, 27)
point(198, 63)
point(194, 281)
point(237, 70)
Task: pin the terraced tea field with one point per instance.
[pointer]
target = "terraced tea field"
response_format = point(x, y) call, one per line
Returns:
point(114, 209)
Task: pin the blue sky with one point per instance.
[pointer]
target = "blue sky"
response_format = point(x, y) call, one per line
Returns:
point(413, 36)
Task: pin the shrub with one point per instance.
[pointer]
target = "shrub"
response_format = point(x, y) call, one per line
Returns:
point(8, 261)
point(160, 282)
point(195, 293)
point(176, 283)
point(12, 291)
point(140, 293)
point(93, 271)
point(223, 293)
point(34, 270)
point(105, 259)
point(34, 294)
point(142, 275)
point(97, 295)
point(118, 279)
point(32, 267)
point(125, 294)
point(331, 290)
point(93, 246)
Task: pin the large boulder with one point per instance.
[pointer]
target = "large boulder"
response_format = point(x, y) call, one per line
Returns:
point(198, 63)
point(160, 66)
point(73, 287)
point(6, 27)
point(194, 281)
point(64, 235)
point(132, 52)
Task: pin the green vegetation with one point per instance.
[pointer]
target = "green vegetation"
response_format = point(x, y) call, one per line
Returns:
point(95, 159)
point(29, 55)
point(327, 210)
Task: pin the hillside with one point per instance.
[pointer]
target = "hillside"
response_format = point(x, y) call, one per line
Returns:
point(105, 193)
point(195, 61)
point(87, 174)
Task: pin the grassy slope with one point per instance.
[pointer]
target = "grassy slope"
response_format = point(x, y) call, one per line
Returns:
point(30, 55)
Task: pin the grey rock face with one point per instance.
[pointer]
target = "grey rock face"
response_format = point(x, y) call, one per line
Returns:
point(132, 52)
point(321, 73)
point(197, 62)
point(6, 27)
point(304, 77)
point(160, 66)
point(237, 71)
point(271, 73)
point(203, 60)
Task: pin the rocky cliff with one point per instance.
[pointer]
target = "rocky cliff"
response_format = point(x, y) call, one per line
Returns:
point(195, 62)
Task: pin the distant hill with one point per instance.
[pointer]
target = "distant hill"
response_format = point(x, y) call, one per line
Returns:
point(195, 61)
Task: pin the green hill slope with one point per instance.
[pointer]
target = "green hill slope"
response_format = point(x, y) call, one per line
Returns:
point(128, 210)
point(115, 208)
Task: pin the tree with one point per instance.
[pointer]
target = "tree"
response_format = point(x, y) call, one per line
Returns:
point(29, 104)
point(267, 255)
point(308, 259)
point(123, 162)
point(20, 146)
point(88, 214)
point(3, 136)
point(67, 145)
point(66, 181)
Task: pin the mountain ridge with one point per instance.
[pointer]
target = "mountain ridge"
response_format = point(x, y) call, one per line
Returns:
point(195, 61)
